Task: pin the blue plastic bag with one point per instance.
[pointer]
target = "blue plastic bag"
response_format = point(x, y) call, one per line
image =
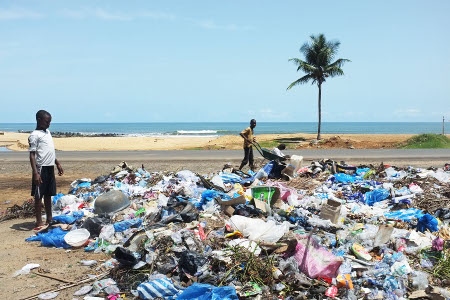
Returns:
point(209, 195)
point(200, 291)
point(372, 197)
point(344, 178)
point(69, 219)
point(124, 225)
point(427, 221)
point(56, 198)
point(51, 238)
point(404, 214)
point(230, 178)
point(158, 288)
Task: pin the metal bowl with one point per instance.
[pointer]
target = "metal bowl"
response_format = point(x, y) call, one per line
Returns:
point(111, 202)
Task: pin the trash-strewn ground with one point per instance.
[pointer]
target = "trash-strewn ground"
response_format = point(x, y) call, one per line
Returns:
point(62, 267)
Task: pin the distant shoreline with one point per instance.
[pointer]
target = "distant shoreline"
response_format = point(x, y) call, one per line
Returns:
point(217, 129)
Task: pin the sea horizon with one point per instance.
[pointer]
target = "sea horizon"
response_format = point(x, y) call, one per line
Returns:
point(211, 129)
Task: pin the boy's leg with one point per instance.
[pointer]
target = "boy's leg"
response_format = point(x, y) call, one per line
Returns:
point(38, 210)
point(48, 208)
point(245, 160)
point(251, 159)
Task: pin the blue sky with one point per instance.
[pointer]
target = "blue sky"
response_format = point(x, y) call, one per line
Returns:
point(202, 61)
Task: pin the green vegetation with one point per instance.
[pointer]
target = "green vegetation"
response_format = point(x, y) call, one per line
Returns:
point(427, 140)
point(318, 65)
point(269, 144)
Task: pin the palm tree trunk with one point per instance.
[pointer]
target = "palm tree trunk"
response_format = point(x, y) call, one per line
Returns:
point(319, 110)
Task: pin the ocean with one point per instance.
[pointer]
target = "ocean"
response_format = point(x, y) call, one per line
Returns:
point(212, 129)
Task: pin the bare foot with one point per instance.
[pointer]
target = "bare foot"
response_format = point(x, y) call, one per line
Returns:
point(40, 228)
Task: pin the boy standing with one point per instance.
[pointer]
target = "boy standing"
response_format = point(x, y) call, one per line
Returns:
point(43, 161)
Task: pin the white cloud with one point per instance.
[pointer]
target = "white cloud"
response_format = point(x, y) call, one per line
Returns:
point(211, 25)
point(408, 112)
point(103, 14)
point(18, 14)
point(106, 15)
point(267, 114)
point(157, 15)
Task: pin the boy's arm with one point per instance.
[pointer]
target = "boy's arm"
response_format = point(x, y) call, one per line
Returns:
point(36, 176)
point(59, 167)
point(244, 135)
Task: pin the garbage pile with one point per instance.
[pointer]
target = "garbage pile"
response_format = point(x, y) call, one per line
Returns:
point(329, 230)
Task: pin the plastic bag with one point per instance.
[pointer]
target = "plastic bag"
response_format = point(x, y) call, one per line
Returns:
point(124, 225)
point(200, 291)
point(158, 288)
point(420, 280)
point(83, 290)
point(190, 262)
point(69, 219)
point(48, 295)
point(26, 269)
point(370, 198)
point(246, 244)
point(316, 261)
point(429, 222)
point(344, 178)
point(94, 225)
point(107, 232)
point(217, 180)
point(51, 238)
point(259, 230)
point(125, 257)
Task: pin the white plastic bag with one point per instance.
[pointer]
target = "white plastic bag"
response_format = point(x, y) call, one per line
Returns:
point(258, 230)
point(107, 232)
point(247, 244)
point(26, 269)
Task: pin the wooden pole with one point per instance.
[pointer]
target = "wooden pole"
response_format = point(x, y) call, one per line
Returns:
point(52, 277)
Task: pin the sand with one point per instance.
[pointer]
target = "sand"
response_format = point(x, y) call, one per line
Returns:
point(19, 142)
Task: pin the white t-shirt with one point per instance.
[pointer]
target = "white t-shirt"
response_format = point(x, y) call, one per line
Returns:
point(41, 142)
point(277, 152)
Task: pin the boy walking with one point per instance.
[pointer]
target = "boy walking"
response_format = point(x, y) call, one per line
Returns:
point(247, 135)
point(43, 161)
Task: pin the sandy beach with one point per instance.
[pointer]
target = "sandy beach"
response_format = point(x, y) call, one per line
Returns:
point(19, 142)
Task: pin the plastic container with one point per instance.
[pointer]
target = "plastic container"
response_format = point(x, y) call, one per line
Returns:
point(331, 211)
point(77, 237)
point(267, 194)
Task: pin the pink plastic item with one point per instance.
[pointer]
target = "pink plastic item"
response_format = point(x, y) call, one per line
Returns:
point(314, 260)
point(331, 292)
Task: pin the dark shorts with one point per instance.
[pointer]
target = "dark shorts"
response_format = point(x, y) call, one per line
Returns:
point(48, 185)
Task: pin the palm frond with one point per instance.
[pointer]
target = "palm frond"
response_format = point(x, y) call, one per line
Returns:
point(301, 80)
point(339, 63)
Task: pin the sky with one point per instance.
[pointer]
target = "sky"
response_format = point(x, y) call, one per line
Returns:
point(221, 61)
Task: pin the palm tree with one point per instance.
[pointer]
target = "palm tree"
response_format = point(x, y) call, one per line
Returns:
point(317, 65)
